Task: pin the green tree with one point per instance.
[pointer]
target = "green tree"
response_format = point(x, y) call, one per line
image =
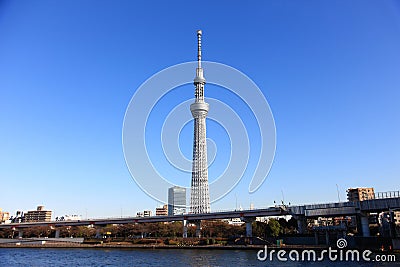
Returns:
point(259, 229)
point(274, 227)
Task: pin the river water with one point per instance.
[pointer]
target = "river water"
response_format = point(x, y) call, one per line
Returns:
point(147, 257)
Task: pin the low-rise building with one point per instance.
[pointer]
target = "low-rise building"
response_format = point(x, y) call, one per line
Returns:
point(4, 216)
point(234, 221)
point(360, 194)
point(162, 211)
point(38, 215)
point(396, 217)
point(145, 213)
point(73, 217)
point(18, 218)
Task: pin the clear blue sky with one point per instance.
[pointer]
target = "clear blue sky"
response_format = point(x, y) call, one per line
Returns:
point(330, 71)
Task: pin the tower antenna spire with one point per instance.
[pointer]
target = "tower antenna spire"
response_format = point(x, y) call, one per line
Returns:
point(199, 33)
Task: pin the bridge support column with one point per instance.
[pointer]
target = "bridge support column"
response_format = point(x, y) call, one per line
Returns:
point(316, 238)
point(98, 235)
point(364, 225)
point(392, 224)
point(301, 224)
point(20, 233)
point(327, 237)
point(249, 228)
point(57, 235)
point(198, 228)
point(185, 222)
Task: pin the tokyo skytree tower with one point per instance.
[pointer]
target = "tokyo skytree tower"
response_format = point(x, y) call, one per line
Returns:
point(199, 197)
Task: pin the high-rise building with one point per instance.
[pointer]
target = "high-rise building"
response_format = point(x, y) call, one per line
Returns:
point(360, 194)
point(38, 215)
point(176, 200)
point(199, 195)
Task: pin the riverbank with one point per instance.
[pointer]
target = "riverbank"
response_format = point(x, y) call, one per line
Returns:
point(34, 243)
point(128, 246)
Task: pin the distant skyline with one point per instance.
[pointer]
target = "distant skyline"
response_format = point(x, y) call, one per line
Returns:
point(328, 69)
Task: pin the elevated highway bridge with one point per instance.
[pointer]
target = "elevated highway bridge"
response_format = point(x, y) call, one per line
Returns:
point(300, 212)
